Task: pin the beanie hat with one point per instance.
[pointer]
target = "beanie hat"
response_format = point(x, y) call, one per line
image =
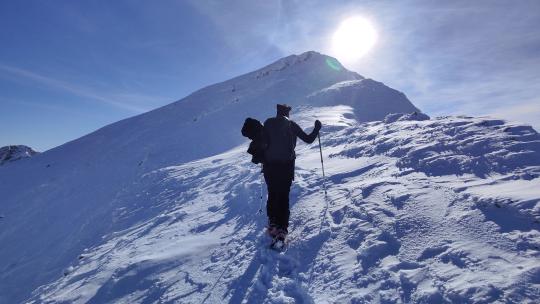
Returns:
point(283, 109)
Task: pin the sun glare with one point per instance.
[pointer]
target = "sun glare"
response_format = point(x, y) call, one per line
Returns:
point(353, 39)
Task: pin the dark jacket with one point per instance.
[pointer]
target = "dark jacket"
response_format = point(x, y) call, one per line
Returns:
point(280, 136)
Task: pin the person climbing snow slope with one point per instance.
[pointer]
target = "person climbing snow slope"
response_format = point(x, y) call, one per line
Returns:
point(278, 167)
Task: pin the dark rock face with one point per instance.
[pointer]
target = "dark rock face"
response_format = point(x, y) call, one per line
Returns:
point(13, 153)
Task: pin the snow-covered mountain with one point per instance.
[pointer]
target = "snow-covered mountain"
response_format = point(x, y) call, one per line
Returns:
point(15, 152)
point(163, 207)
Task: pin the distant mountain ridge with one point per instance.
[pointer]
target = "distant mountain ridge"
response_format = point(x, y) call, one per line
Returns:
point(15, 152)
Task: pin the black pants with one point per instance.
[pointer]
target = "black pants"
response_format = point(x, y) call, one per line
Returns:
point(278, 177)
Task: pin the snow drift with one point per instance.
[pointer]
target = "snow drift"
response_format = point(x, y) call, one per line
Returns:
point(162, 207)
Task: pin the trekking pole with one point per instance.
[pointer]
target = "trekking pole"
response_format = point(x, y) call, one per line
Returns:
point(261, 197)
point(322, 165)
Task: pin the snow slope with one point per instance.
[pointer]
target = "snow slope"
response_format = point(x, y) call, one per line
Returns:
point(163, 207)
point(387, 233)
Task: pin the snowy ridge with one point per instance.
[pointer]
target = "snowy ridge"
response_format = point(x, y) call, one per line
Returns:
point(371, 100)
point(452, 145)
point(315, 58)
point(387, 233)
point(14, 153)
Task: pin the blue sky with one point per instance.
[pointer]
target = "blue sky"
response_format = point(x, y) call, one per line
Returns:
point(70, 67)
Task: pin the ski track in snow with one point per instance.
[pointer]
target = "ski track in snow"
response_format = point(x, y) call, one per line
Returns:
point(383, 234)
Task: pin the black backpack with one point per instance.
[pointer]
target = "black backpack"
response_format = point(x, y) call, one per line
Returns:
point(254, 130)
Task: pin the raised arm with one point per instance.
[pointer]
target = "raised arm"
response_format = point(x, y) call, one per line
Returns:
point(305, 137)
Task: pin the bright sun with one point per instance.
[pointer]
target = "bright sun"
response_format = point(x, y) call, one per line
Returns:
point(353, 39)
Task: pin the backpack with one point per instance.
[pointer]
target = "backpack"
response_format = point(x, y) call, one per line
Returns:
point(254, 130)
point(280, 140)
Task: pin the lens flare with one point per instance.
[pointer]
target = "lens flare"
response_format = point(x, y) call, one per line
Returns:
point(333, 64)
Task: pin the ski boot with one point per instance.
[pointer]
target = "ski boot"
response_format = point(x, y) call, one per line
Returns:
point(278, 241)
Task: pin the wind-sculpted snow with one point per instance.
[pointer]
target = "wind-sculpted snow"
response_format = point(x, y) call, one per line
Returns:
point(452, 145)
point(192, 233)
point(405, 117)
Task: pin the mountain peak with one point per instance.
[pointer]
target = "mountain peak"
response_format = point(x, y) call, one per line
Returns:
point(303, 56)
point(311, 59)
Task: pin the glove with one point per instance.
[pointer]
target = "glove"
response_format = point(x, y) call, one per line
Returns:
point(318, 125)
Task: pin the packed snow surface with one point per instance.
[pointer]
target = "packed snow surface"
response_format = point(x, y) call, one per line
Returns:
point(152, 210)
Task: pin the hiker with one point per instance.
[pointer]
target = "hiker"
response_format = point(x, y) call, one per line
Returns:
point(278, 166)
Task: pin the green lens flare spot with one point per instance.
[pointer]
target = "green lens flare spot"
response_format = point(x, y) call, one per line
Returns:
point(333, 64)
